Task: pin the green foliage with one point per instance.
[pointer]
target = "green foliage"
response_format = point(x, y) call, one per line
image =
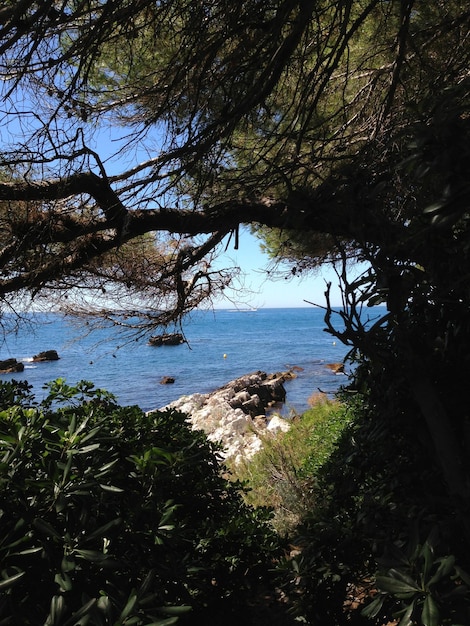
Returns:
point(299, 250)
point(380, 476)
point(283, 473)
point(344, 482)
point(112, 516)
point(333, 123)
point(421, 586)
point(324, 424)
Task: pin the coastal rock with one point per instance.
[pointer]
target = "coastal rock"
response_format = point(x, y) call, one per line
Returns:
point(255, 392)
point(336, 368)
point(8, 366)
point(47, 355)
point(167, 339)
point(253, 405)
point(277, 423)
point(239, 398)
point(235, 414)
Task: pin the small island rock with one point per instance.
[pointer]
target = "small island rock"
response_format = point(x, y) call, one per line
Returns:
point(9, 366)
point(47, 355)
point(167, 339)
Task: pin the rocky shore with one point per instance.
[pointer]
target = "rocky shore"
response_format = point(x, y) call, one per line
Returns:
point(237, 415)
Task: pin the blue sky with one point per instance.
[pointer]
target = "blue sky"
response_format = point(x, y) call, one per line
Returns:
point(259, 291)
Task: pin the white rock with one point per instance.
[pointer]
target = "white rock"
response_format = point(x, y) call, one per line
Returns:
point(278, 423)
point(240, 424)
point(234, 429)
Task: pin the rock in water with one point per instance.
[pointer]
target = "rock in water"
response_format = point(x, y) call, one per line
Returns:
point(9, 366)
point(336, 368)
point(47, 355)
point(167, 339)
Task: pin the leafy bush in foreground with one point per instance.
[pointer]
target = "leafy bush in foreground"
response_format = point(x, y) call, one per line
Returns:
point(112, 516)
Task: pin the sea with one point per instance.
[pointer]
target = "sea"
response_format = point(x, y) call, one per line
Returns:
point(221, 346)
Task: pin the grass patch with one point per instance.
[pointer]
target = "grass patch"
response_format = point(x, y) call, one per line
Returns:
point(282, 475)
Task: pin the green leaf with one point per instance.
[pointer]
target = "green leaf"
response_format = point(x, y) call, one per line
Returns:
point(10, 580)
point(68, 564)
point(91, 555)
point(104, 469)
point(29, 551)
point(168, 513)
point(9, 439)
point(373, 608)
point(73, 424)
point(99, 532)
point(146, 583)
point(129, 606)
point(56, 611)
point(64, 581)
point(85, 449)
point(84, 610)
point(46, 528)
point(105, 605)
point(428, 556)
point(446, 566)
point(430, 613)
point(175, 610)
point(111, 488)
point(67, 467)
point(14, 544)
point(434, 208)
point(399, 574)
point(94, 431)
point(396, 587)
point(406, 619)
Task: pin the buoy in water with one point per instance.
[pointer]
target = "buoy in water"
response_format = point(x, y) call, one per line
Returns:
point(225, 356)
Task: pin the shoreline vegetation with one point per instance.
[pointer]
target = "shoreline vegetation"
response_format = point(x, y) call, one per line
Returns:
point(108, 484)
point(147, 148)
point(114, 516)
point(111, 513)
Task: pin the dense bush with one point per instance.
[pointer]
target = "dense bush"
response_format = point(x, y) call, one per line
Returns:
point(112, 516)
point(380, 544)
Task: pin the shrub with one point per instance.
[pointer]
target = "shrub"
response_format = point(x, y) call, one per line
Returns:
point(109, 515)
point(283, 473)
point(419, 585)
point(360, 548)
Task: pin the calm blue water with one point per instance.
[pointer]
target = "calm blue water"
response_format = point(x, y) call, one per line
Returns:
point(267, 339)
